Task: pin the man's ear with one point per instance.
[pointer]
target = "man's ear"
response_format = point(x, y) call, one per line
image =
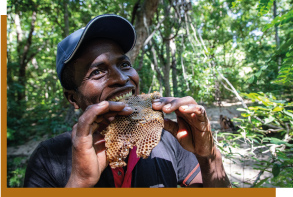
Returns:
point(71, 97)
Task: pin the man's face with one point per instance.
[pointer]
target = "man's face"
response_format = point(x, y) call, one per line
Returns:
point(103, 72)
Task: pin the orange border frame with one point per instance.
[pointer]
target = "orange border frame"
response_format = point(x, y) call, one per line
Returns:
point(268, 192)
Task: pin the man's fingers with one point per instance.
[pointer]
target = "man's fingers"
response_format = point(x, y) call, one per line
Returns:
point(99, 142)
point(171, 126)
point(94, 114)
point(197, 111)
point(179, 131)
point(170, 104)
point(94, 127)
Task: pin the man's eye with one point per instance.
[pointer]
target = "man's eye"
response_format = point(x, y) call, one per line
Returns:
point(95, 72)
point(125, 65)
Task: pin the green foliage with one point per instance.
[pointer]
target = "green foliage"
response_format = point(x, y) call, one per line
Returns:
point(286, 70)
point(280, 20)
point(264, 6)
point(270, 125)
point(16, 171)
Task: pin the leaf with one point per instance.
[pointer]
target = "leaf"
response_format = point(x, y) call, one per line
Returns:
point(283, 157)
point(256, 108)
point(264, 67)
point(242, 109)
point(258, 73)
point(264, 6)
point(261, 182)
point(278, 108)
point(276, 170)
point(251, 79)
point(269, 119)
point(245, 115)
point(279, 20)
point(288, 114)
point(276, 141)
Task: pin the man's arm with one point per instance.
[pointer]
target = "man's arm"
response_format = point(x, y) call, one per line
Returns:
point(213, 172)
point(193, 132)
point(88, 145)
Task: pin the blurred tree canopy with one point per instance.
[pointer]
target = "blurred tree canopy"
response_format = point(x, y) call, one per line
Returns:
point(208, 49)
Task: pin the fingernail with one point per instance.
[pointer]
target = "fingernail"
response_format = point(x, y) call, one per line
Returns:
point(168, 106)
point(127, 108)
point(102, 103)
point(157, 103)
point(156, 100)
point(202, 109)
point(184, 107)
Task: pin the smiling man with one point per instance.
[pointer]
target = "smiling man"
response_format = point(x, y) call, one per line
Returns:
point(95, 74)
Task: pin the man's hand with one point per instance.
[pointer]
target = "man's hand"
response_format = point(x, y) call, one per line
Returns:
point(192, 129)
point(88, 145)
point(193, 132)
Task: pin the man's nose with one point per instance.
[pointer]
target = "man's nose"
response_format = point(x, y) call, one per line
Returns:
point(117, 77)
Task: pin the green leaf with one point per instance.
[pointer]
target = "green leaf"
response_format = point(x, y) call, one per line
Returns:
point(251, 79)
point(261, 182)
point(269, 119)
point(276, 170)
point(242, 109)
point(264, 67)
point(288, 114)
point(276, 141)
point(264, 6)
point(256, 108)
point(258, 73)
point(278, 108)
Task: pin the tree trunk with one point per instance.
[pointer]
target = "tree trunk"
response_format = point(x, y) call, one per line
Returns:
point(166, 70)
point(277, 39)
point(155, 63)
point(143, 19)
point(66, 21)
point(24, 58)
point(174, 69)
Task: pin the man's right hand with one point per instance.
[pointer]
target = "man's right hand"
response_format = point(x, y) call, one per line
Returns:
point(88, 145)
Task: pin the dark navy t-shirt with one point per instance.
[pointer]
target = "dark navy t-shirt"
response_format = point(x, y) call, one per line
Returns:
point(168, 165)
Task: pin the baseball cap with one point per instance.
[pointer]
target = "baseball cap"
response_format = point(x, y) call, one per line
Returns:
point(108, 26)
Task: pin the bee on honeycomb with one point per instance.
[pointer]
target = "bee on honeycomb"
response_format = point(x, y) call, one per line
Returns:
point(142, 129)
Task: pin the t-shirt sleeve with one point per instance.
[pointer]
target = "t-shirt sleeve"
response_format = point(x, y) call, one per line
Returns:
point(187, 166)
point(39, 170)
point(185, 162)
point(48, 165)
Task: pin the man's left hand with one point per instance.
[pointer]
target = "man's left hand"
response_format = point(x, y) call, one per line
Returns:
point(192, 129)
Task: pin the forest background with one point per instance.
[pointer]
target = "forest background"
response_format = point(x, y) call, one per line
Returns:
point(212, 50)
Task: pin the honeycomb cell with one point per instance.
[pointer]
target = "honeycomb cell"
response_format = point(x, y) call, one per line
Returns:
point(142, 129)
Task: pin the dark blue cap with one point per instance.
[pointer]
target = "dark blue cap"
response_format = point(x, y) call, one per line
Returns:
point(108, 26)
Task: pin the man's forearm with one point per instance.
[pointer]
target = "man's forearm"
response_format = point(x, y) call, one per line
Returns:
point(212, 169)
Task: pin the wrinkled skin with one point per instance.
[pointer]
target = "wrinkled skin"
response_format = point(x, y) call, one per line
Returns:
point(192, 128)
point(101, 72)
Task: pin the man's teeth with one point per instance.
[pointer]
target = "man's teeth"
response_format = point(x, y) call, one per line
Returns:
point(118, 98)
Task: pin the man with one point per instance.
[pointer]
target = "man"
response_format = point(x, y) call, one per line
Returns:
point(93, 69)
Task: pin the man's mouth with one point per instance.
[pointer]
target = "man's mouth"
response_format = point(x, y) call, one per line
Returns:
point(121, 96)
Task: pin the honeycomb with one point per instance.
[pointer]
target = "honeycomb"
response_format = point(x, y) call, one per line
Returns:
point(142, 129)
